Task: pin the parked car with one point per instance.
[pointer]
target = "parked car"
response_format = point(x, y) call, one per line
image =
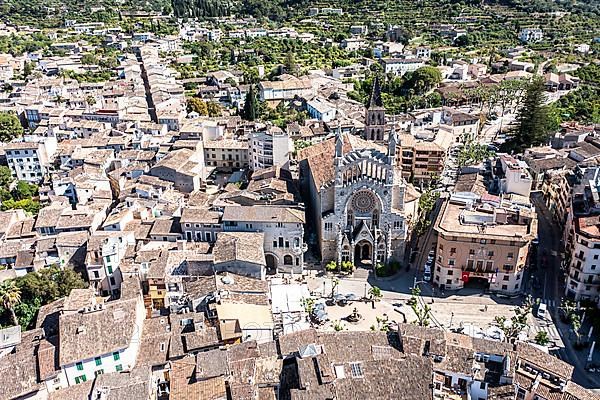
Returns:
point(541, 311)
point(427, 275)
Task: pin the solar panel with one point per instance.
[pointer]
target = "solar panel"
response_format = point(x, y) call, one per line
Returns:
point(356, 369)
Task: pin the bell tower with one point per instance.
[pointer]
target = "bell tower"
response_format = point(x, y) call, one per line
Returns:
point(375, 115)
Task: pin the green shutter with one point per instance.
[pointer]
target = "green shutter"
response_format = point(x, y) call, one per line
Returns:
point(116, 356)
point(79, 366)
point(98, 361)
point(110, 270)
point(119, 367)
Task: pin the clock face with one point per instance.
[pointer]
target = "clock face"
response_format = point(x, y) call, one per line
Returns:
point(363, 201)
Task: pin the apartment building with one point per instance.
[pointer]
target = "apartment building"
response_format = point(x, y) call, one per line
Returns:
point(582, 238)
point(226, 154)
point(270, 148)
point(420, 160)
point(29, 160)
point(482, 241)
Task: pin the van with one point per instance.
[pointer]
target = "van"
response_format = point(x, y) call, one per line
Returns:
point(541, 311)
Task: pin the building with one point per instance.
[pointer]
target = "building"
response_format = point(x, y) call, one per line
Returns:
point(98, 338)
point(582, 237)
point(531, 35)
point(283, 229)
point(321, 109)
point(226, 154)
point(357, 195)
point(286, 89)
point(420, 160)
point(105, 251)
point(184, 167)
point(31, 159)
point(515, 177)
point(400, 66)
point(270, 148)
point(482, 241)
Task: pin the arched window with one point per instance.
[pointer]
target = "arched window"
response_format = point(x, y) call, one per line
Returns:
point(287, 260)
point(346, 253)
point(375, 219)
point(350, 218)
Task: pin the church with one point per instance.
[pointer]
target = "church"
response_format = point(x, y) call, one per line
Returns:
point(360, 207)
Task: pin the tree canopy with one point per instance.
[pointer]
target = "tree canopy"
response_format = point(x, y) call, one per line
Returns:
point(10, 127)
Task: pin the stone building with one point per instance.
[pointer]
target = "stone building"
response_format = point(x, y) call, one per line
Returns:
point(359, 202)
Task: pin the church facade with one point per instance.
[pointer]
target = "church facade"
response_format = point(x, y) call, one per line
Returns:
point(361, 205)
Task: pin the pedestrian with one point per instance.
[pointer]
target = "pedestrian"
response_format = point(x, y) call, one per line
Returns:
point(485, 308)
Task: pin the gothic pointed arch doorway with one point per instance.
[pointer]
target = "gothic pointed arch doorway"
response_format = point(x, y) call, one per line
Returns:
point(363, 253)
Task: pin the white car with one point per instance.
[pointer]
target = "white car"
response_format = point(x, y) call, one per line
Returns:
point(427, 276)
point(541, 311)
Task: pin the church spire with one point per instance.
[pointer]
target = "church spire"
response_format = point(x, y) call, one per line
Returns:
point(392, 145)
point(375, 98)
point(339, 143)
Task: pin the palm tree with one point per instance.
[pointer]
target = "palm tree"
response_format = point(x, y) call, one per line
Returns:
point(10, 296)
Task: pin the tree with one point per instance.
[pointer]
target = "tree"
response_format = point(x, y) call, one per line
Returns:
point(90, 100)
point(542, 338)
point(251, 105)
point(5, 176)
point(375, 293)
point(27, 69)
point(517, 322)
point(89, 59)
point(291, 67)
point(10, 296)
point(533, 124)
point(10, 127)
point(424, 79)
point(24, 190)
point(194, 104)
point(214, 110)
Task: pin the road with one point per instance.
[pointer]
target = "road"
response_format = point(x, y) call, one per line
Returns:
point(551, 290)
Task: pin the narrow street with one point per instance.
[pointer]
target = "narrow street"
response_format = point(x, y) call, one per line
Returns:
point(551, 290)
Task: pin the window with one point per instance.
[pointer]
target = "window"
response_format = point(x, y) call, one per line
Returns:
point(287, 260)
point(99, 372)
point(274, 243)
point(98, 361)
point(280, 242)
point(491, 253)
point(452, 250)
point(79, 366)
point(595, 256)
point(471, 252)
point(356, 369)
point(110, 269)
point(162, 347)
point(482, 241)
point(448, 281)
point(510, 256)
point(593, 266)
point(450, 272)
point(504, 287)
point(470, 264)
point(116, 356)
point(506, 277)
point(80, 379)
point(451, 261)
point(119, 367)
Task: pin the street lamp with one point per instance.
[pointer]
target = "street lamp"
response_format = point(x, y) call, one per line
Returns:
point(451, 318)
